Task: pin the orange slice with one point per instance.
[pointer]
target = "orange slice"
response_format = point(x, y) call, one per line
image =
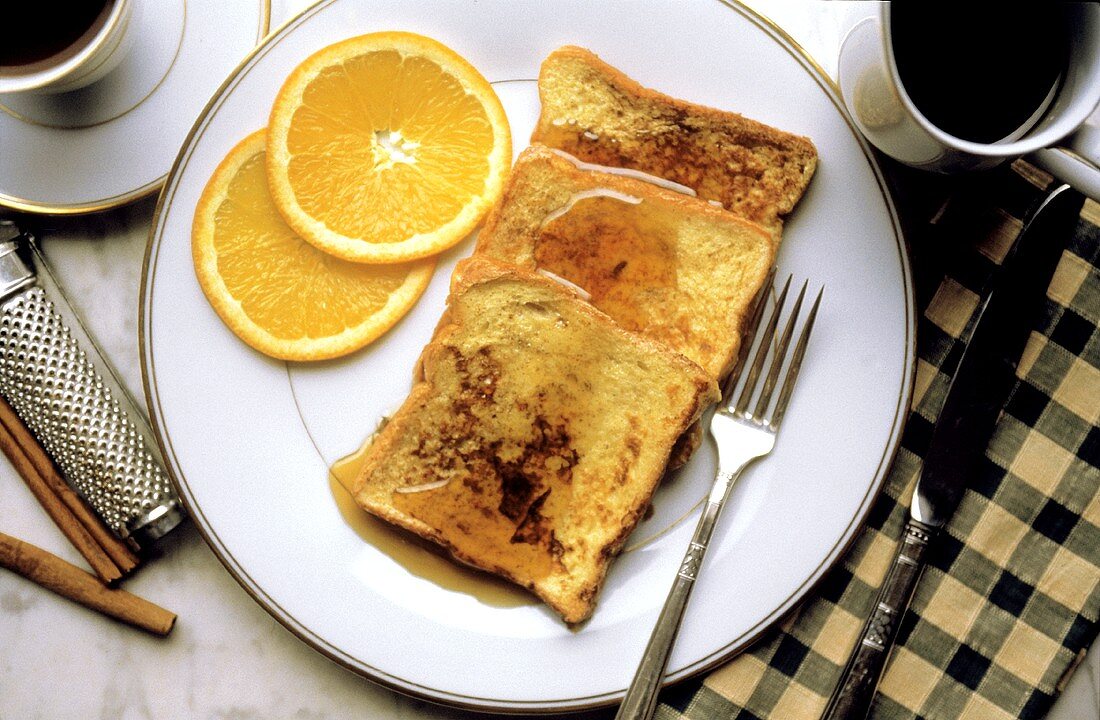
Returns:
point(386, 147)
point(277, 292)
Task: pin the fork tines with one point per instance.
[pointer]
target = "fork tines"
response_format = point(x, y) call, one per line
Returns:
point(768, 348)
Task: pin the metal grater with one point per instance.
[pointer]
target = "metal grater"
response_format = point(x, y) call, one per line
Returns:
point(54, 378)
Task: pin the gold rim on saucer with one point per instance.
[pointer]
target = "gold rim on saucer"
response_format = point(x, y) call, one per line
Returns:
point(28, 205)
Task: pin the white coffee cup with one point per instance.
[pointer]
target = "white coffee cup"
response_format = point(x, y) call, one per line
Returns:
point(89, 58)
point(1055, 137)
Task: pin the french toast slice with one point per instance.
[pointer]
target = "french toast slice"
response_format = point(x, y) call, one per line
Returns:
point(669, 266)
point(534, 436)
point(595, 112)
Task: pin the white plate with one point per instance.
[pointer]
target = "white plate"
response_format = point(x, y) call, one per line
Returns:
point(249, 440)
point(114, 141)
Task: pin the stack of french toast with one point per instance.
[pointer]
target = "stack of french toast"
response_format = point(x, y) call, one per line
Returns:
point(588, 331)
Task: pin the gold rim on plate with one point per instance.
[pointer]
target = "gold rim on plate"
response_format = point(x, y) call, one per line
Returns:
point(469, 702)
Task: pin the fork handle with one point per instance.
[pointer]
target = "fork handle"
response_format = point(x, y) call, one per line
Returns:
point(852, 698)
point(640, 701)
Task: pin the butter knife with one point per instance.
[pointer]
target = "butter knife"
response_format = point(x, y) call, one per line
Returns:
point(984, 377)
point(62, 388)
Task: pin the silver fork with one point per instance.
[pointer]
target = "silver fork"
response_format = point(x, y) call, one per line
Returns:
point(742, 435)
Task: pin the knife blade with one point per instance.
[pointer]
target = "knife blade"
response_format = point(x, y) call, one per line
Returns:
point(982, 381)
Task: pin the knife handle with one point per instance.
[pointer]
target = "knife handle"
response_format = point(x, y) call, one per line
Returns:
point(853, 695)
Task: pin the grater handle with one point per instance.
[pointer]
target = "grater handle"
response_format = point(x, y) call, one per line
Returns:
point(65, 400)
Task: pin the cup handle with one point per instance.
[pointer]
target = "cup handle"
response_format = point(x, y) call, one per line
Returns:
point(1076, 160)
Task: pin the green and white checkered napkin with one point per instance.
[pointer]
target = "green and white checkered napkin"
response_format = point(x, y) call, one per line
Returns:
point(1010, 600)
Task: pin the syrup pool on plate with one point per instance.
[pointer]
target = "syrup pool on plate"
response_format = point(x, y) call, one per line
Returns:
point(414, 554)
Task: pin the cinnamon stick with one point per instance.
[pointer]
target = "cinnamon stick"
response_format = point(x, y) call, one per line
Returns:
point(121, 555)
point(61, 515)
point(67, 580)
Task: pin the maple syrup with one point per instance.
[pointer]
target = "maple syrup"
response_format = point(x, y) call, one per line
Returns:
point(623, 171)
point(414, 554)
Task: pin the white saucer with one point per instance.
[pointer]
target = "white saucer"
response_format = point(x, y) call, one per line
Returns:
point(113, 142)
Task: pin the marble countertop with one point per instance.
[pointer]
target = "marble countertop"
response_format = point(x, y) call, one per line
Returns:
point(227, 658)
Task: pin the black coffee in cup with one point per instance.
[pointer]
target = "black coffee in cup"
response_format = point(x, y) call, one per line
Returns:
point(979, 72)
point(46, 32)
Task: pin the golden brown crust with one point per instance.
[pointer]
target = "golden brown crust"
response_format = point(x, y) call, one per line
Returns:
point(596, 112)
point(540, 424)
point(535, 436)
point(669, 266)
